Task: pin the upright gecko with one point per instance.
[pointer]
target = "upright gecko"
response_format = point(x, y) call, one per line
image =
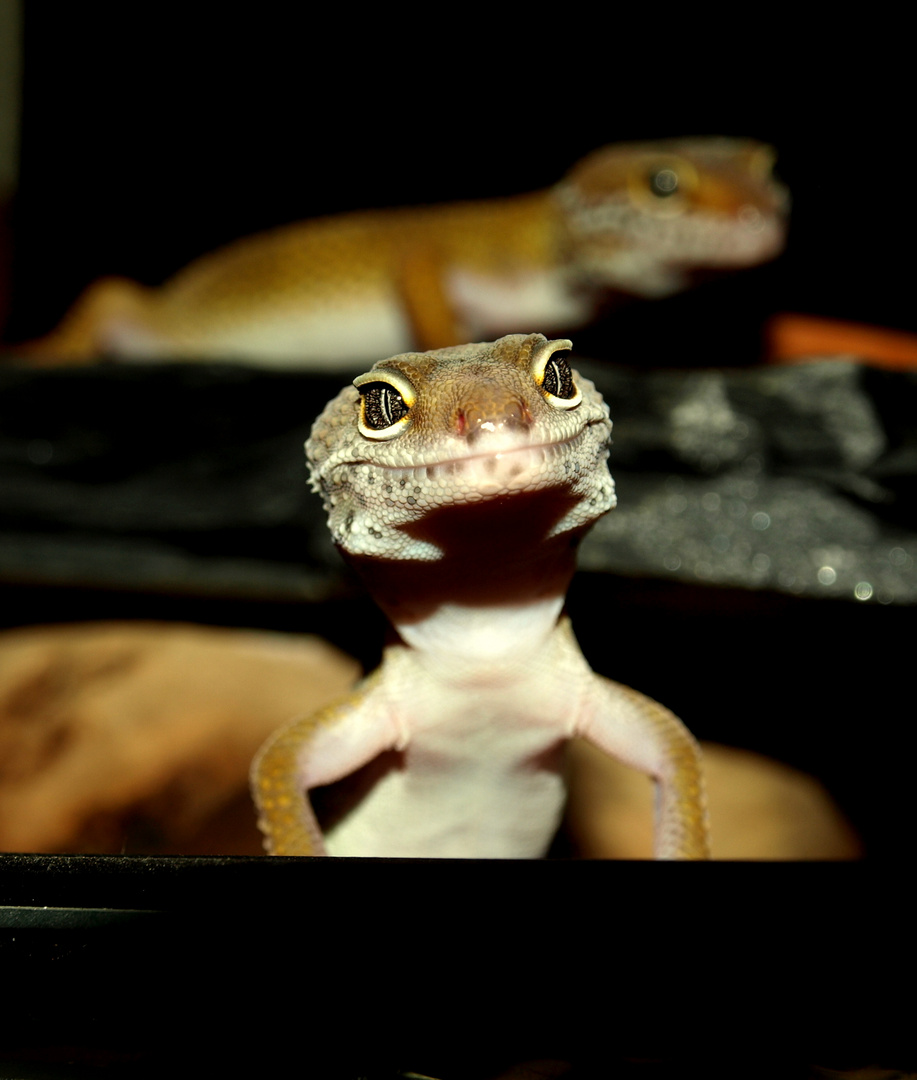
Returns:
point(635, 217)
point(458, 483)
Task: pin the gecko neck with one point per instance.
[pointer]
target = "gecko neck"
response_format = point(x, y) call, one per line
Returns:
point(475, 605)
point(458, 640)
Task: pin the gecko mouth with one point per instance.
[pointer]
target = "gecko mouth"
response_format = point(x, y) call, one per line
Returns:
point(707, 239)
point(513, 458)
point(543, 488)
point(489, 474)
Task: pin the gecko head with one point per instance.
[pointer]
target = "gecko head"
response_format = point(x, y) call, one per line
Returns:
point(426, 433)
point(644, 217)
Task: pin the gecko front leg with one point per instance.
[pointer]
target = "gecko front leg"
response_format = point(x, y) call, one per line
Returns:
point(644, 734)
point(310, 752)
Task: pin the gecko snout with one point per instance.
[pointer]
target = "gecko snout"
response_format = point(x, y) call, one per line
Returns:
point(488, 408)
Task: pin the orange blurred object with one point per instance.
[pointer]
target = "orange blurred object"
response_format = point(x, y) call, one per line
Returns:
point(791, 339)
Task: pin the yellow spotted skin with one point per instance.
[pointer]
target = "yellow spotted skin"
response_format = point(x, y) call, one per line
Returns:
point(683, 831)
point(458, 483)
point(284, 815)
point(634, 218)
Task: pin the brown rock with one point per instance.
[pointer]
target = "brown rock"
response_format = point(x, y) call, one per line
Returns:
point(759, 809)
point(137, 736)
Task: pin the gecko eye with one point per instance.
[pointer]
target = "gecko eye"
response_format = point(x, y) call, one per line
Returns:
point(382, 406)
point(663, 188)
point(386, 400)
point(663, 182)
point(551, 370)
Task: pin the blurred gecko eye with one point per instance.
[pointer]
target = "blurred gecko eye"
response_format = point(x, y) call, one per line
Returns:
point(385, 405)
point(663, 182)
point(552, 373)
point(664, 188)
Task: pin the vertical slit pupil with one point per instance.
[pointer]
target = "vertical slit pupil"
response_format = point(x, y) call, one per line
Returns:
point(382, 406)
point(558, 379)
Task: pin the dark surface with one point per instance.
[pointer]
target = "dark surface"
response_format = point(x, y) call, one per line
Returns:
point(346, 964)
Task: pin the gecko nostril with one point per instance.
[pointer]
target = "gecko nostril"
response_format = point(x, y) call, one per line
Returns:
point(489, 409)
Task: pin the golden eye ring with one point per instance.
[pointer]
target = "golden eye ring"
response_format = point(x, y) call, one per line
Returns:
point(553, 375)
point(386, 401)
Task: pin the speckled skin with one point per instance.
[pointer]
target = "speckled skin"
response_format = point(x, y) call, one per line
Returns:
point(458, 482)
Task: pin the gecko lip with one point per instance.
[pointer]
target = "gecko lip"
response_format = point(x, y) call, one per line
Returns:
point(750, 235)
point(496, 455)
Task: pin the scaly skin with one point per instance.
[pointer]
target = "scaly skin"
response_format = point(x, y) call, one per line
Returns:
point(458, 482)
point(636, 218)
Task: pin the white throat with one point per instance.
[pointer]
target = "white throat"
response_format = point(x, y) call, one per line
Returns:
point(458, 638)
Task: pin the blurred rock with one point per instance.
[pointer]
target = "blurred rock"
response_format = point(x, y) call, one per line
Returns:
point(759, 809)
point(125, 736)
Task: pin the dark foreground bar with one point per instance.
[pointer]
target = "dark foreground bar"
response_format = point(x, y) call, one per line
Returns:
point(352, 967)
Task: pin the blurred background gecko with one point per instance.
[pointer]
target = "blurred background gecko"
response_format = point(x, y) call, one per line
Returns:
point(138, 161)
point(640, 219)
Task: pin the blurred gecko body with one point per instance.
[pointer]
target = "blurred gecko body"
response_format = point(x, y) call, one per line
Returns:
point(635, 218)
